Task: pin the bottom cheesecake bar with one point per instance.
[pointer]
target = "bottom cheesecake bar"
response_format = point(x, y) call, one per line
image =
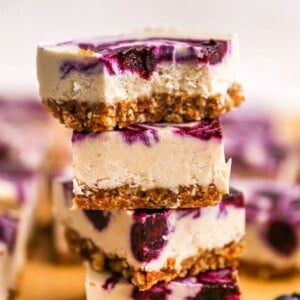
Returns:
point(149, 246)
point(217, 285)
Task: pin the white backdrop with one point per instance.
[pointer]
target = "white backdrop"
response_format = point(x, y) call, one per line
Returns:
point(269, 33)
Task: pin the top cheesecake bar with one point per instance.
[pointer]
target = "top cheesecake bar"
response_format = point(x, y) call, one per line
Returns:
point(106, 83)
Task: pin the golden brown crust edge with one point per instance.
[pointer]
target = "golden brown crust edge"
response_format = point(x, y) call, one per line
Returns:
point(214, 259)
point(84, 116)
point(126, 197)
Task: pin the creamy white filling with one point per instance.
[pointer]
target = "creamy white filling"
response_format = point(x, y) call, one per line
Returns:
point(210, 230)
point(168, 77)
point(106, 162)
point(172, 79)
point(123, 289)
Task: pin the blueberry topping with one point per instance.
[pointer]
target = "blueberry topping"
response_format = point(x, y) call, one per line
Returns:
point(289, 297)
point(282, 237)
point(157, 292)
point(148, 234)
point(139, 59)
point(141, 56)
point(143, 133)
point(204, 129)
point(99, 218)
point(235, 197)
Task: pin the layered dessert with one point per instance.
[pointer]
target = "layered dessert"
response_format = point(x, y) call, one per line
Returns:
point(18, 197)
point(257, 147)
point(273, 227)
point(150, 166)
point(217, 285)
point(146, 246)
point(103, 83)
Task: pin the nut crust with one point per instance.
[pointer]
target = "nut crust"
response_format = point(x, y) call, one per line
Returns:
point(214, 259)
point(85, 116)
point(126, 197)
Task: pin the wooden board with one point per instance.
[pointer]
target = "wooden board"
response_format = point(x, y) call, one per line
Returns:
point(46, 281)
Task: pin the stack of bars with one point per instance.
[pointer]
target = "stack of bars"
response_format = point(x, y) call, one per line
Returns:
point(153, 215)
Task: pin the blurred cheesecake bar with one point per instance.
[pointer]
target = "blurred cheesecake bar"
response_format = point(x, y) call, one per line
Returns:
point(218, 285)
point(102, 83)
point(272, 226)
point(258, 147)
point(18, 199)
point(150, 166)
point(149, 246)
point(25, 131)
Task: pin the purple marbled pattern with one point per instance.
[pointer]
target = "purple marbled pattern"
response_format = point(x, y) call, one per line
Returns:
point(89, 67)
point(203, 129)
point(149, 133)
point(148, 233)
point(157, 292)
point(141, 56)
point(142, 133)
point(8, 230)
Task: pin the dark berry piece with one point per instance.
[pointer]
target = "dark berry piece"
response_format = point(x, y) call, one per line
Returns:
point(148, 235)
point(138, 59)
point(282, 237)
point(99, 218)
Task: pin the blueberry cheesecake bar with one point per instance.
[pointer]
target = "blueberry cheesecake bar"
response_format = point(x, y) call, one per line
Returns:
point(218, 285)
point(272, 226)
point(150, 166)
point(18, 198)
point(108, 82)
point(257, 146)
point(149, 246)
point(26, 120)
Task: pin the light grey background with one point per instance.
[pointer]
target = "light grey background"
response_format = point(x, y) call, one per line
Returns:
point(269, 33)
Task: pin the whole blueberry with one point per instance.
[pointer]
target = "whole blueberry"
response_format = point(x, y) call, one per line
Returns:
point(282, 237)
point(148, 234)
